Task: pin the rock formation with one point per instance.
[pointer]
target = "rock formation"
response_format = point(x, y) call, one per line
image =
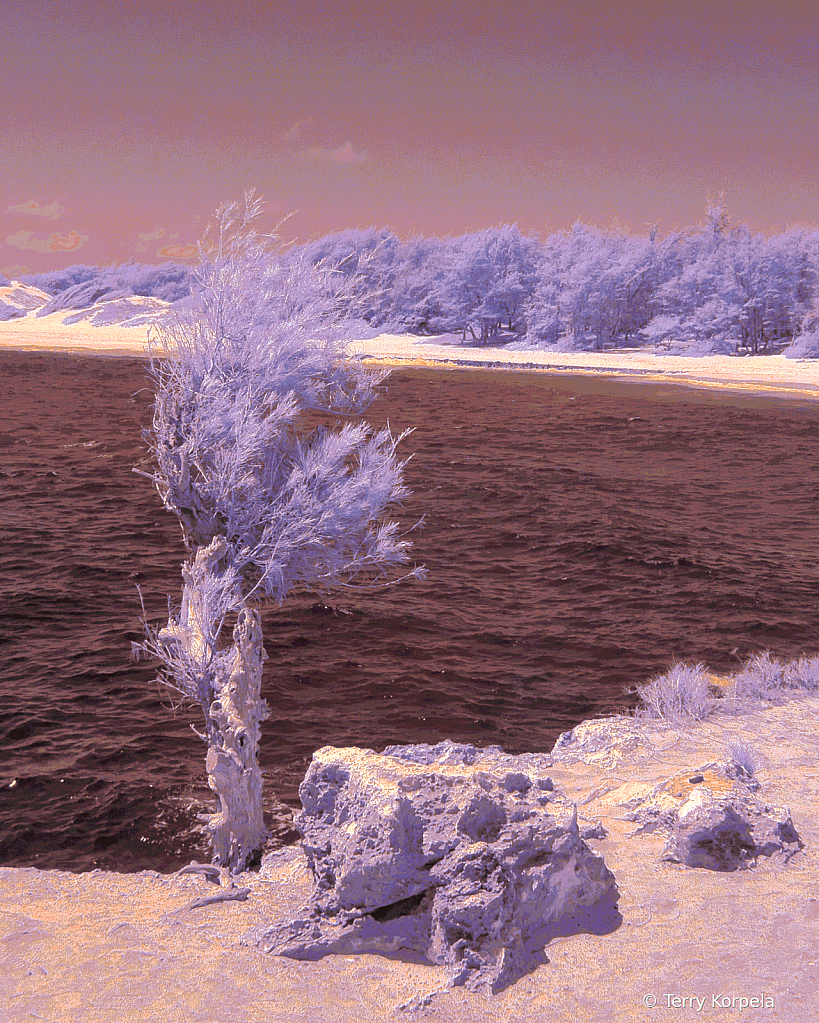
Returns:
point(603, 743)
point(714, 819)
point(465, 856)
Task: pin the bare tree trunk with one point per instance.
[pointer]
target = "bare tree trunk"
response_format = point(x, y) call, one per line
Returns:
point(228, 689)
point(237, 829)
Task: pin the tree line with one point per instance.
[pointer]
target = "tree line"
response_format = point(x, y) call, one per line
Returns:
point(701, 290)
point(709, 289)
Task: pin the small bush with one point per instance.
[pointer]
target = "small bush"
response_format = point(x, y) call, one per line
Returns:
point(805, 346)
point(802, 673)
point(762, 678)
point(682, 693)
point(743, 756)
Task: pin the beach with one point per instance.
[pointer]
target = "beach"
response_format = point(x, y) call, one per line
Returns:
point(101, 946)
point(769, 374)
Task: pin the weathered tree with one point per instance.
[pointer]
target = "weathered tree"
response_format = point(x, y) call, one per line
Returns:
point(268, 501)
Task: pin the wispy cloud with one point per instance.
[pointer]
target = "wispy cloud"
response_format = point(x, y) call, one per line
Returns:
point(296, 131)
point(72, 240)
point(54, 242)
point(178, 251)
point(15, 271)
point(149, 236)
point(344, 155)
point(34, 209)
point(296, 138)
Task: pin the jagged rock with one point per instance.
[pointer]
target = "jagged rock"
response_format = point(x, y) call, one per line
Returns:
point(730, 834)
point(606, 742)
point(594, 831)
point(658, 809)
point(465, 856)
point(714, 819)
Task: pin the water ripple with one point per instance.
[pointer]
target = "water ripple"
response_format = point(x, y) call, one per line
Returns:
point(580, 534)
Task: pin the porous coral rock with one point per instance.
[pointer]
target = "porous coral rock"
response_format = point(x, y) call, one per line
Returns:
point(714, 819)
point(465, 856)
point(606, 742)
point(730, 833)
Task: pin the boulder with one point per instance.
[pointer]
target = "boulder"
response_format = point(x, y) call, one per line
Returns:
point(465, 857)
point(715, 820)
point(730, 833)
point(602, 742)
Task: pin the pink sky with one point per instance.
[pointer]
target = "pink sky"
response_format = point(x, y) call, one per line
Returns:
point(125, 124)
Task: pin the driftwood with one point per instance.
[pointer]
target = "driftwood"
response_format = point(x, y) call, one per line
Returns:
point(229, 894)
point(211, 872)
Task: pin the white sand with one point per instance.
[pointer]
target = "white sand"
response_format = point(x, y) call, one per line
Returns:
point(49, 334)
point(772, 374)
point(798, 378)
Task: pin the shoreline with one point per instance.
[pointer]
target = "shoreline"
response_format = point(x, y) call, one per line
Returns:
point(767, 374)
point(772, 375)
point(102, 945)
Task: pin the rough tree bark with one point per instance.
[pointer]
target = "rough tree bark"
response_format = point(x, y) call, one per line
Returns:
point(228, 690)
point(237, 829)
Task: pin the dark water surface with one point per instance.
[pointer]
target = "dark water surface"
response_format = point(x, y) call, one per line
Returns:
point(580, 535)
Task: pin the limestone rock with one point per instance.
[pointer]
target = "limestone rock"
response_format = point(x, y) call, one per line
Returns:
point(730, 834)
point(658, 809)
point(606, 742)
point(464, 856)
point(715, 820)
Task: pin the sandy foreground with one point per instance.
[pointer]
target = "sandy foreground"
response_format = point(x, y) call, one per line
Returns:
point(113, 948)
point(104, 947)
point(772, 374)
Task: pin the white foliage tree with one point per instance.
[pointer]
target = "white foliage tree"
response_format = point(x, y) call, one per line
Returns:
point(698, 288)
point(775, 285)
point(267, 504)
point(606, 282)
point(731, 289)
point(489, 278)
point(704, 290)
point(366, 260)
point(419, 272)
point(542, 309)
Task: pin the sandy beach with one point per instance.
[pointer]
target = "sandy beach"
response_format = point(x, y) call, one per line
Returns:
point(772, 374)
point(769, 374)
point(106, 947)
